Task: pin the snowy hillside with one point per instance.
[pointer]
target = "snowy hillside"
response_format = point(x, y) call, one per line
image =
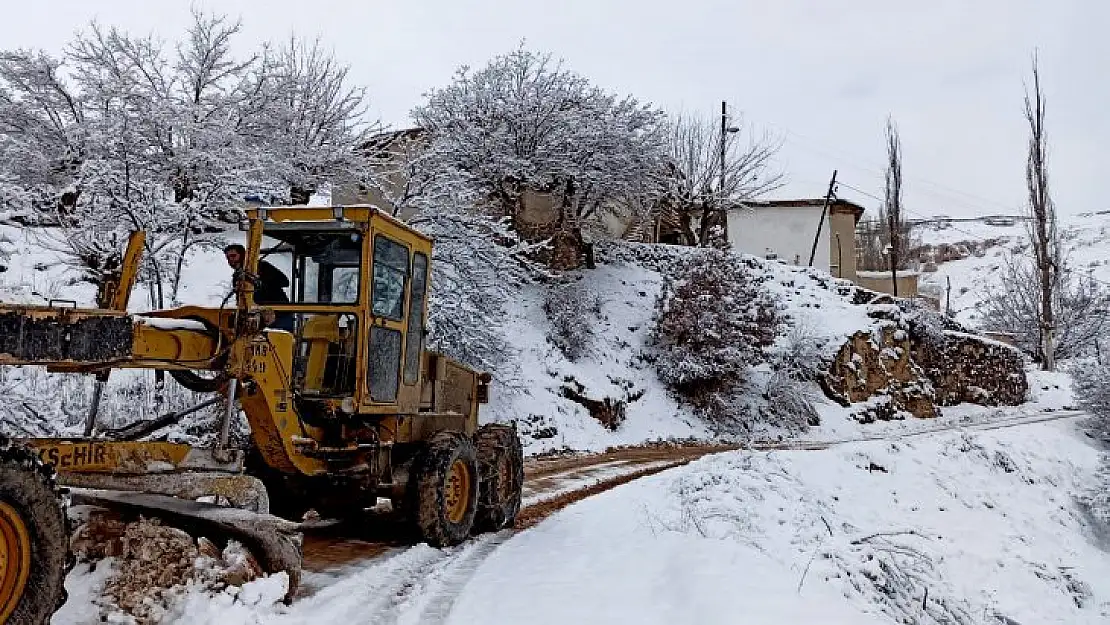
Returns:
point(551, 396)
point(1086, 240)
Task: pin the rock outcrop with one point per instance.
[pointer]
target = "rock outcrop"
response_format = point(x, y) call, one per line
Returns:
point(913, 360)
point(880, 364)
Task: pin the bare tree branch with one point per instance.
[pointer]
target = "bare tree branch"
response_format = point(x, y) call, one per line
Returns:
point(695, 151)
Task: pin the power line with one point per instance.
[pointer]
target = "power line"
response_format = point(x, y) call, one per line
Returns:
point(978, 237)
point(939, 190)
point(858, 190)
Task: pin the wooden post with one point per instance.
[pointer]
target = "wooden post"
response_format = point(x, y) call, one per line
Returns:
point(821, 222)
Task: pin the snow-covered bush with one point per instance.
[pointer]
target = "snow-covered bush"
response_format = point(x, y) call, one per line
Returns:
point(573, 310)
point(1091, 386)
point(801, 354)
point(788, 403)
point(715, 321)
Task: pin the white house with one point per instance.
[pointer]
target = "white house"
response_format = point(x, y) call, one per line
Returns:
point(785, 230)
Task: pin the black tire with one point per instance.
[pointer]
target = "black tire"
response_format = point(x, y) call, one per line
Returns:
point(29, 492)
point(441, 510)
point(501, 468)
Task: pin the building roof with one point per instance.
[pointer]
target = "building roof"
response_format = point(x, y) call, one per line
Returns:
point(380, 143)
point(835, 206)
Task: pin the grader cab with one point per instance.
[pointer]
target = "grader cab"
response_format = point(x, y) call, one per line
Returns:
point(344, 404)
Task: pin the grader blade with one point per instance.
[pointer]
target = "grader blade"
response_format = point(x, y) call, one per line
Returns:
point(274, 542)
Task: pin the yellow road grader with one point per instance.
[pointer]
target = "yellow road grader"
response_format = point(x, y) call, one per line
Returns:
point(344, 406)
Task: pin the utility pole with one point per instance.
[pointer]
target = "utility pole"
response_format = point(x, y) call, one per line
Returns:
point(718, 206)
point(821, 223)
point(724, 135)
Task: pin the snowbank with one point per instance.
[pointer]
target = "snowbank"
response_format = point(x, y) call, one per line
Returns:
point(952, 528)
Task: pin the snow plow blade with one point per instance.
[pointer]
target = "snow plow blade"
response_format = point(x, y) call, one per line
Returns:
point(275, 542)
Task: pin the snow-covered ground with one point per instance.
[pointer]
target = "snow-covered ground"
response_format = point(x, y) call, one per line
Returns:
point(967, 525)
point(954, 528)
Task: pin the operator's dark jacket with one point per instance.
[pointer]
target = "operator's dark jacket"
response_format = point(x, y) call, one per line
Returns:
point(272, 284)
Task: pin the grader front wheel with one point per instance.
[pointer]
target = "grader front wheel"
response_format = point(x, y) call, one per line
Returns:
point(34, 539)
point(444, 489)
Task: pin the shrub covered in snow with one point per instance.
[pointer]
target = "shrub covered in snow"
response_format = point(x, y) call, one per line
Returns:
point(573, 310)
point(788, 403)
point(1091, 385)
point(715, 321)
point(801, 354)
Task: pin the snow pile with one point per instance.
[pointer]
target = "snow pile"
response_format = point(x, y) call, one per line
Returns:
point(157, 574)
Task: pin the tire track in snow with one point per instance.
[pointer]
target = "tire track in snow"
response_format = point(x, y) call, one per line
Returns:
point(370, 592)
point(434, 598)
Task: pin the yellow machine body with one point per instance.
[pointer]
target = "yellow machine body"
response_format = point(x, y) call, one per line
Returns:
point(351, 377)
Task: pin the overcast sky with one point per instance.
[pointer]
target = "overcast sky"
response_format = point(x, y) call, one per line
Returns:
point(822, 74)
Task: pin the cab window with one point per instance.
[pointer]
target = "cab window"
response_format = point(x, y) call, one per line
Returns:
point(415, 336)
point(391, 268)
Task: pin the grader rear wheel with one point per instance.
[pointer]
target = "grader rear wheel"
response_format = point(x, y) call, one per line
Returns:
point(34, 539)
point(501, 467)
point(444, 489)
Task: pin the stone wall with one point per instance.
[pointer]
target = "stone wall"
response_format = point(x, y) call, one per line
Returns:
point(912, 365)
point(968, 368)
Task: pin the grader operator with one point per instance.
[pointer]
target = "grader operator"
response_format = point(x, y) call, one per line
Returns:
point(344, 404)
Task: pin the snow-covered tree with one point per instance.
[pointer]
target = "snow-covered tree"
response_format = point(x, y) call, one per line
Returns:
point(127, 133)
point(1042, 224)
point(41, 130)
point(701, 191)
point(478, 266)
point(311, 121)
point(523, 123)
point(1013, 305)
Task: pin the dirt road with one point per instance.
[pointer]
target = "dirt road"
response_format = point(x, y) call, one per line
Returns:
point(550, 484)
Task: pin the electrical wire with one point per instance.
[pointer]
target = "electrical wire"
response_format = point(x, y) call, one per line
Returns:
point(977, 237)
point(974, 236)
point(854, 161)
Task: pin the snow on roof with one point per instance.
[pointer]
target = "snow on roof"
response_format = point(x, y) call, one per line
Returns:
point(902, 273)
